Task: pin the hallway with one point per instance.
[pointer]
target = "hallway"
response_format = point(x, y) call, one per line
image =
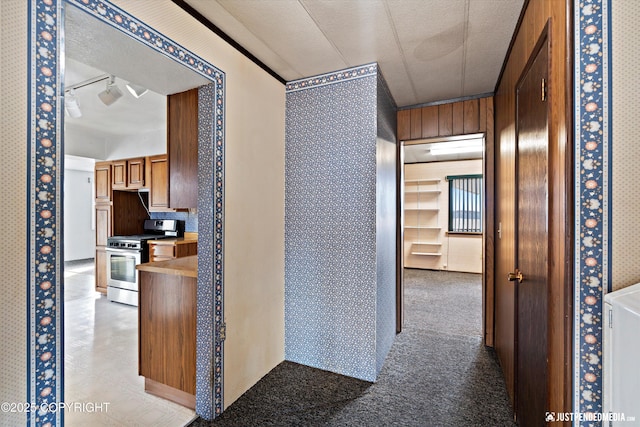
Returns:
point(438, 373)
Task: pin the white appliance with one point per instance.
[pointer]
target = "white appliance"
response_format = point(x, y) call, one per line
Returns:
point(621, 371)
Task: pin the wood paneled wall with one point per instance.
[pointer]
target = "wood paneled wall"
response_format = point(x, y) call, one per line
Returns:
point(455, 118)
point(534, 20)
point(459, 118)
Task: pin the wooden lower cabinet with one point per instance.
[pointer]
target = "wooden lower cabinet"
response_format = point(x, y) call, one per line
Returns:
point(167, 336)
point(170, 249)
point(101, 269)
point(104, 224)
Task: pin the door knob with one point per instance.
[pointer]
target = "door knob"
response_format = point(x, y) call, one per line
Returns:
point(512, 277)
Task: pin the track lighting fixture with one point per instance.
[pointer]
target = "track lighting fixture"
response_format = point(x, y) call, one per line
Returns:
point(71, 104)
point(112, 93)
point(136, 90)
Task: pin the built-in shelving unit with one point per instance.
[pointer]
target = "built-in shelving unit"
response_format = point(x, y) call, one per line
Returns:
point(421, 208)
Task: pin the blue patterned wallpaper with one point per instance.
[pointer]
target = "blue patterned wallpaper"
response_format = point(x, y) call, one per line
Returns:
point(331, 282)
point(592, 200)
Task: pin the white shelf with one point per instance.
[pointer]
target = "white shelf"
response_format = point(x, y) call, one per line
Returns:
point(427, 243)
point(427, 253)
point(423, 209)
point(420, 227)
point(425, 180)
point(423, 191)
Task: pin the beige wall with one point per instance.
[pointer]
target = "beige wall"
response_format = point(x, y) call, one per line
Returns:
point(254, 210)
point(458, 253)
point(625, 218)
point(13, 151)
point(254, 215)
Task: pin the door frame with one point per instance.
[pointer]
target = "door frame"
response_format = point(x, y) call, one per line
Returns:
point(488, 236)
point(543, 42)
point(561, 235)
point(45, 260)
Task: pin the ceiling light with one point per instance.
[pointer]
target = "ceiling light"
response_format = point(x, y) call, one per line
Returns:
point(111, 94)
point(459, 147)
point(71, 104)
point(136, 90)
point(455, 150)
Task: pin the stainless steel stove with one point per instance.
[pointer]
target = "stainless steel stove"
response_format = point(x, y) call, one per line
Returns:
point(125, 252)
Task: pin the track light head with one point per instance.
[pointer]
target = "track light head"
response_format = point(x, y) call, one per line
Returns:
point(71, 104)
point(111, 94)
point(136, 90)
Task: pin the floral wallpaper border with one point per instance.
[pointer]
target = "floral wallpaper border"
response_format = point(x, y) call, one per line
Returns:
point(332, 77)
point(592, 199)
point(45, 387)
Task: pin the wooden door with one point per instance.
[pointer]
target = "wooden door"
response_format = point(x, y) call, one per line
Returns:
point(532, 242)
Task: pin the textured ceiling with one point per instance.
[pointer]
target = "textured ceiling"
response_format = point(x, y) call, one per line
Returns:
point(428, 50)
point(93, 49)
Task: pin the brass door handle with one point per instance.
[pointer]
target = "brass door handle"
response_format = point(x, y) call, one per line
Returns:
point(512, 277)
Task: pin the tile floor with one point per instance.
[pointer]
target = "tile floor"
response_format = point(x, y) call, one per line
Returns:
point(101, 360)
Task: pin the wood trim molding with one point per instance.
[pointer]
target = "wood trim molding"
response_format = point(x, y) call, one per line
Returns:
point(224, 36)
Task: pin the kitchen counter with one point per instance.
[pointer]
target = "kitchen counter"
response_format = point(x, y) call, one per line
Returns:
point(185, 266)
point(174, 241)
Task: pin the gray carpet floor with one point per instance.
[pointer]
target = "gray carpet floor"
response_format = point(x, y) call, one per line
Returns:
point(438, 372)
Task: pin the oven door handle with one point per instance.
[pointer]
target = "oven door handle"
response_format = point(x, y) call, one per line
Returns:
point(119, 250)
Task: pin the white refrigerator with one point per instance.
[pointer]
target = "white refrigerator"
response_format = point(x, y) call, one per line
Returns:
point(621, 370)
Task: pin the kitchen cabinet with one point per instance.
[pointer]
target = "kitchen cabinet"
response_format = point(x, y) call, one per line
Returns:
point(165, 249)
point(127, 174)
point(135, 173)
point(101, 269)
point(182, 149)
point(122, 213)
point(119, 175)
point(102, 180)
point(167, 329)
point(158, 183)
point(104, 222)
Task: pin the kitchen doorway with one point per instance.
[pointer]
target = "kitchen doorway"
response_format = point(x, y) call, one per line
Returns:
point(47, 58)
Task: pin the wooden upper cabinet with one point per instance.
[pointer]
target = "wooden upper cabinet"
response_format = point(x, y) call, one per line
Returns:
point(182, 149)
point(127, 174)
point(135, 173)
point(159, 183)
point(102, 180)
point(119, 175)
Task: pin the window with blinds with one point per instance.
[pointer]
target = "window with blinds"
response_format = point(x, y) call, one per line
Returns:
point(465, 203)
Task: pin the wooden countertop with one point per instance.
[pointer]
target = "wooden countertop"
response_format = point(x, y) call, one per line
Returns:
point(185, 266)
point(173, 241)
